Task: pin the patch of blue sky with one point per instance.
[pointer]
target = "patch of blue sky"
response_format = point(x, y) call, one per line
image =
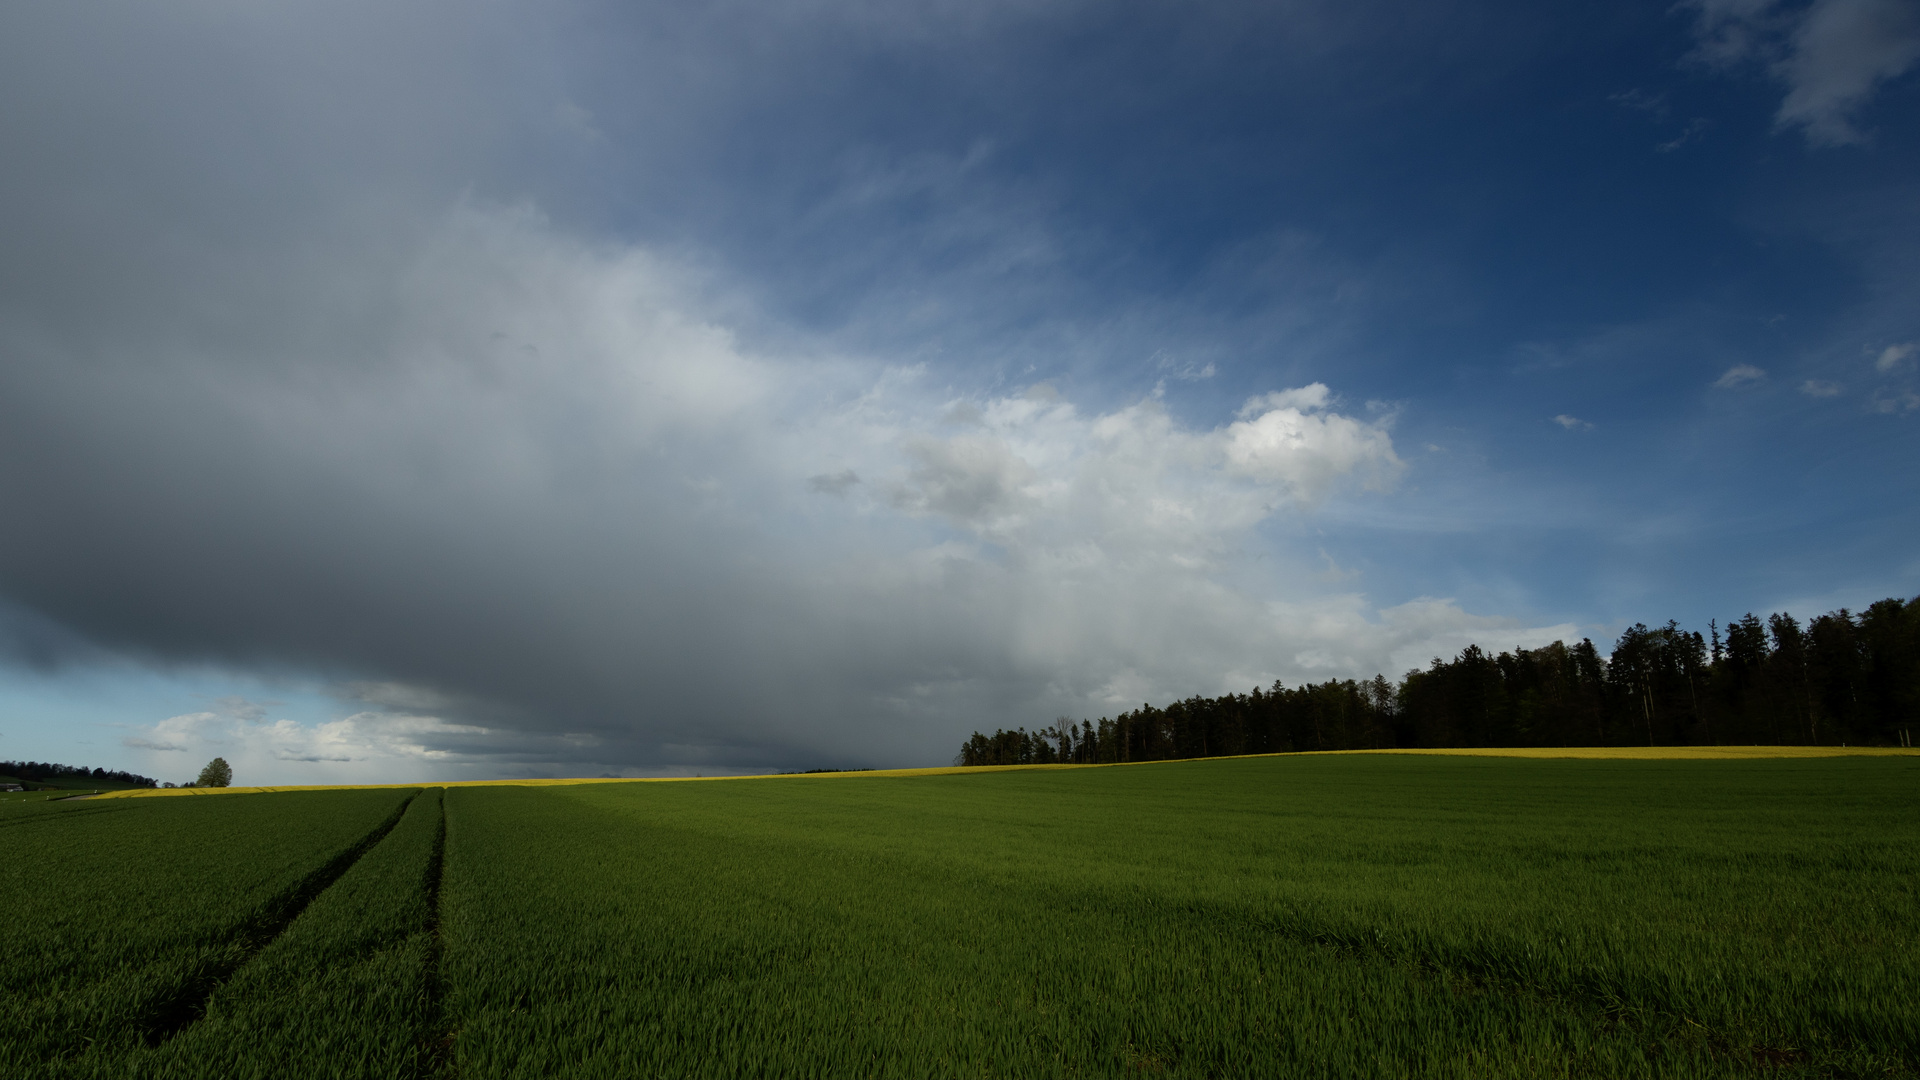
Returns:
point(111, 715)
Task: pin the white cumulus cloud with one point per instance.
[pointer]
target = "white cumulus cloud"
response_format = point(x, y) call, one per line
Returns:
point(1287, 438)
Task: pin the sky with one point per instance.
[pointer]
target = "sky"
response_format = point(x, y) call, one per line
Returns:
point(418, 390)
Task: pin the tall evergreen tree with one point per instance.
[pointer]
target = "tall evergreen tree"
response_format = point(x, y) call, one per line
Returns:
point(1788, 670)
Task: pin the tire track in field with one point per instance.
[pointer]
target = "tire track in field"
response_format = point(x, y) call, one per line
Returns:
point(436, 1056)
point(172, 1016)
point(62, 815)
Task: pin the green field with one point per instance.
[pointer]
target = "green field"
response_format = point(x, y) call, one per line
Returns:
point(1317, 916)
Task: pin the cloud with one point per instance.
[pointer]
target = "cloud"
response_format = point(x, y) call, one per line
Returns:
point(1728, 32)
point(360, 745)
point(578, 121)
point(174, 734)
point(143, 743)
point(1904, 401)
point(1894, 355)
point(1641, 101)
point(1831, 55)
point(1656, 107)
point(534, 496)
point(1411, 635)
point(1033, 469)
point(975, 481)
point(1739, 375)
point(1572, 423)
point(1816, 388)
point(1309, 398)
point(240, 708)
point(1286, 438)
point(543, 505)
point(28, 639)
point(1693, 128)
point(833, 483)
point(1841, 51)
point(1185, 370)
point(1334, 572)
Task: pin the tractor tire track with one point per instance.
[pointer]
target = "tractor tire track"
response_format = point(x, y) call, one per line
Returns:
point(181, 1010)
point(436, 1053)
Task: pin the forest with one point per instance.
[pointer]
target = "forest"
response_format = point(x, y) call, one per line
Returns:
point(30, 771)
point(1842, 678)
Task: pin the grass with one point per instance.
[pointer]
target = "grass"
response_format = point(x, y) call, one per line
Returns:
point(1658, 753)
point(1336, 915)
point(1330, 914)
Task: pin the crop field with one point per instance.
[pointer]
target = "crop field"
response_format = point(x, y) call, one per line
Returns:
point(1337, 915)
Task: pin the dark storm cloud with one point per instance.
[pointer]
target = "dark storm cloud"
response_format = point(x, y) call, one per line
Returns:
point(33, 641)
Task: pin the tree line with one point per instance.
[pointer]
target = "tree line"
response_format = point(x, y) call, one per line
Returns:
point(1842, 678)
point(45, 770)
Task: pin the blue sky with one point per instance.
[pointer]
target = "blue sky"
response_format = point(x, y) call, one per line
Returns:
point(423, 389)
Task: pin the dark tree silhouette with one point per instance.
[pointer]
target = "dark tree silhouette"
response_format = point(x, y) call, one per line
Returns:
point(45, 770)
point(1840, 678)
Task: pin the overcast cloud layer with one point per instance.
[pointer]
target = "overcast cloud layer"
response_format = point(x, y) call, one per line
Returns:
point(567, 389)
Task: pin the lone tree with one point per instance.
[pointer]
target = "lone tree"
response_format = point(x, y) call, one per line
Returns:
point(217, 774)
